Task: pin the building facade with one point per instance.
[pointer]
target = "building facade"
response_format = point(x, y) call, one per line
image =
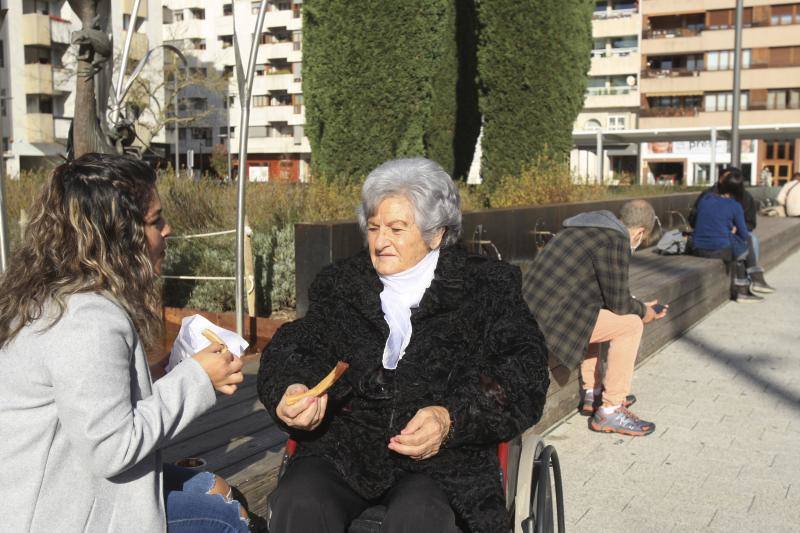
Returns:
point(686, 50)
point(37, 84)
point(278, 149)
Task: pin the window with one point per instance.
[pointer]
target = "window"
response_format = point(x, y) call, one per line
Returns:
point(182, 134)
point(3, 110)
point(724, 60)
point(781, 15)
point(724, 101)
point(177, 15)
point(36, 103)
point(261, 70)
point(225, 40)
point(198, 44)
point(36, 6)
point(254, 7)
point(200, 72)
point(227, 10)
point(260, 100)
point(198, 104)
point(783, 99)
point(299, 133)
point(297, 102)
point(2, 55)
point(593, 125)
point(198, 13)
point(297, 71)
point(297, 11)
point(35, 54)
point(5, 144)
point(227, 71)
point(281, 99)
point(297, 40)
point(616, 122)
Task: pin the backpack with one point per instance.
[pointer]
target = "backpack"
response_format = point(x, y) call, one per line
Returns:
point(673, 242)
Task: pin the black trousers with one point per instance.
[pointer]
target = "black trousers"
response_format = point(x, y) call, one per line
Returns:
point(312, 496)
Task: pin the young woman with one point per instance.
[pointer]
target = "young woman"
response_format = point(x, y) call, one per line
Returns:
point(720, 231)
point(81, 422)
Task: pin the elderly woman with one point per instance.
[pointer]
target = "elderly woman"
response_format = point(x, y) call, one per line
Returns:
point(445, 361)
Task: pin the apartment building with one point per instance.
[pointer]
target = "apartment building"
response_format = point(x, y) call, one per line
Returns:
point(612, 97)
point(203, 30)
point(687, 79)
point(37, 84)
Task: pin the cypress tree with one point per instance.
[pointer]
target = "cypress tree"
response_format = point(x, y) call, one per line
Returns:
point(533, 59)
point(379, 81)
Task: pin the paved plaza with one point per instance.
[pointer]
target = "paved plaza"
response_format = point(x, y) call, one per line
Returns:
point(725, 456)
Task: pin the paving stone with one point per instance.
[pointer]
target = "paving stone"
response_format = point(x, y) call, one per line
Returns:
point(725, 454)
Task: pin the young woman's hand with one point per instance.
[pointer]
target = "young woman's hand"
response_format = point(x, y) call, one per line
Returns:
point(306, 414)
point(223, 368)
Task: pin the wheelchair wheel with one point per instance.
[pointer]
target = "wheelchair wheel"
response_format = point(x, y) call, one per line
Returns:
point(538, 490)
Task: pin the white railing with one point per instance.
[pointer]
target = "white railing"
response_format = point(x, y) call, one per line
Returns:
point(615, 52)
point(602, 91)
point(615, 13)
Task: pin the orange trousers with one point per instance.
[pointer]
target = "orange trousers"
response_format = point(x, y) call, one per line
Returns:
point(624, 334)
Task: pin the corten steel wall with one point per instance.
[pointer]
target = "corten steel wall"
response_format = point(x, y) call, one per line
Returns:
point(510, 230)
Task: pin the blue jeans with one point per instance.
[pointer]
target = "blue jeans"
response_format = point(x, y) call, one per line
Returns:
point(190, 509)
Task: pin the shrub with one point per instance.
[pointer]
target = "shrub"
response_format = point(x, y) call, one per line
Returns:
point(379, 82)
point(533, 57)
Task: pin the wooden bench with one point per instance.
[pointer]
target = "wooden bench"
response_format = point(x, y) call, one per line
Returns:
point(239, 441)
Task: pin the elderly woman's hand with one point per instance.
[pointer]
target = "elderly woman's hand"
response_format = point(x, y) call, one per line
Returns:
point(424, 434)
point(306, 414)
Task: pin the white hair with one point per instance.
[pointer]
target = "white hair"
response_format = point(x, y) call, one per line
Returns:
point(424, 183)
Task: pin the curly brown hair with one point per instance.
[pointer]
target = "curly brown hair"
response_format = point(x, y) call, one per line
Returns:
point(87, 234)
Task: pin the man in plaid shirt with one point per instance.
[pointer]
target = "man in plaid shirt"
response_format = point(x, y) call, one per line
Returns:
point(578, 291)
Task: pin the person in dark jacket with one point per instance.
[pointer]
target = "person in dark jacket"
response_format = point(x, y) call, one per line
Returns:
point(721, 232)
point(446, 361)
point(578, 291)
point(750, 208)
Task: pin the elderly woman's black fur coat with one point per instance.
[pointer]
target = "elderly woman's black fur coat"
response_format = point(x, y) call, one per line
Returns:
point(475, 349)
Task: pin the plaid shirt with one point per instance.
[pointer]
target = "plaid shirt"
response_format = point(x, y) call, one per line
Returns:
point(579, 272)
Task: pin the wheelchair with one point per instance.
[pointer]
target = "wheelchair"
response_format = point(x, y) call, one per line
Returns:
point(531, 475)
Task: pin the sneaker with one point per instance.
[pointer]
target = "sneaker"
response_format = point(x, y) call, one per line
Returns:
point(748, 298)
point(761, 286)
point(590, 403)
point(621, 421)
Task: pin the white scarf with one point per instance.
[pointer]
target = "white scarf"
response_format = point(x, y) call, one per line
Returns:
point(402, 292)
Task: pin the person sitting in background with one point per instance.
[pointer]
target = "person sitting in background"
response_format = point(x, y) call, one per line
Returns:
point(81, 423)
point(750, 208)
point(720, 232)
point(446, 361)
point(789, 196)
point(578, 292)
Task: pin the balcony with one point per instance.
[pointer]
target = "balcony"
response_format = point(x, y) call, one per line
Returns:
point(670, 112)
point(127, 8)
point(38, 79)
point(63, 80)
point(40, 127)
point(721, 119)
point(682, 81)
point(273, 51)
point(280, 113)
point(35, 30)
point(60, 31)
point(615, 61)
point(278, 19)
point(277, 145)
point(273, 82)
point(598, 97)
point(61, 127)
point(139, 46)
point(612, 26)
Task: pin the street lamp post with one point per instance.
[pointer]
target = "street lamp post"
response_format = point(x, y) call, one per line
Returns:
point(736, 144)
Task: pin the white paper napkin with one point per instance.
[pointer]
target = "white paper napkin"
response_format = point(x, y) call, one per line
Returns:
point(190, 340)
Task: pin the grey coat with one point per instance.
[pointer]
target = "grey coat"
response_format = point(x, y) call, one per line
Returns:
point(81, 423)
